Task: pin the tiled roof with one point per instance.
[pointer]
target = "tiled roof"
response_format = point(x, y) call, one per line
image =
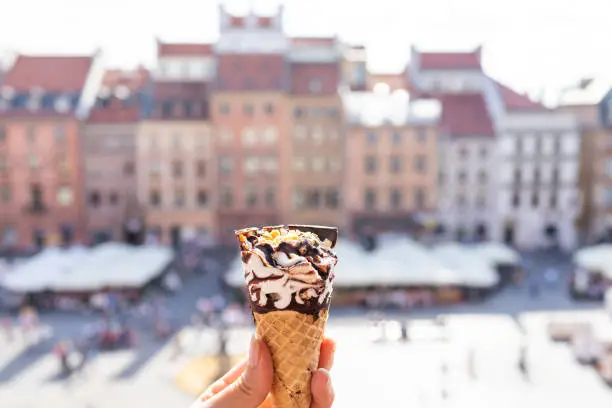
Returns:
point(465, 115)
point(450, 60)
point(514, 101)
point(51, 73)
point(184, 49)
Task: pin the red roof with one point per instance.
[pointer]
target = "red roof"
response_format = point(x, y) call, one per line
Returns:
point(450, 60)
point(52, 74)
point(114, 114)
point(514, 101)
point(184, 49)
point(466, 115)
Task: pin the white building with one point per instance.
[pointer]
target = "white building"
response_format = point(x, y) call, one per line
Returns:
point(539, 197)
point(508, 166)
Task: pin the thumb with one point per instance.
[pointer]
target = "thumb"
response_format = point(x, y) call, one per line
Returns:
point(252, 387)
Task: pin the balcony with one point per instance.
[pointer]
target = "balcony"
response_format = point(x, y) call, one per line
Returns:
point(36, 208)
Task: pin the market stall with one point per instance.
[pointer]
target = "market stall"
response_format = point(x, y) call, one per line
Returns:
point(506, 260)
point(592, 274)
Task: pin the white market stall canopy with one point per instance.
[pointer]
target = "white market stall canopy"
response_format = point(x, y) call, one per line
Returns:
point(473, 269)
point(596, 258)
point(109, 265)
point(398, 262)
point(498, 253)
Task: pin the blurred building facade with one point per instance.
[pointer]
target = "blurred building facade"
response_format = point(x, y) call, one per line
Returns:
point(263, 128)
point(109, 153)
point(590, 103)
point(42, 107)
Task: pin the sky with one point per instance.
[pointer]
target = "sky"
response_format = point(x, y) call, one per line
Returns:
point(531, 45)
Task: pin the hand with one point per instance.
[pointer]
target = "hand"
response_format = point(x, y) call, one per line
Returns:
point(248, 384)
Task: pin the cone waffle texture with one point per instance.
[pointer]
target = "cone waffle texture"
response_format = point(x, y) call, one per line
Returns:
point(294, 340)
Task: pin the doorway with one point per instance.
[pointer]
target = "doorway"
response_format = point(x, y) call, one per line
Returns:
point(509, 234)
point(175, 236)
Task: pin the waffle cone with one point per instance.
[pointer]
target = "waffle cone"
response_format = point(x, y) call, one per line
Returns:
point(294, 340)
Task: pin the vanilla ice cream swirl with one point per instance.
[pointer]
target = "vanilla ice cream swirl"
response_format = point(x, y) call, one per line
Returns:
point(287, 269)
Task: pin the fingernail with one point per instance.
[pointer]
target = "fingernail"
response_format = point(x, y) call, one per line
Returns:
point(254, 353)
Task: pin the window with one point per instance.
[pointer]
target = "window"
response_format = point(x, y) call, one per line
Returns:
point(555, 176)
point(535, 199)
point(62, 164)
point(31, 135)
point(177, 142)
point(177, 169)
point(334, 165)
point(538, 145)
point(270, 197)
point(224, 108)
point(396, 138)
point(3, 164)
point(226, 164)
point(249, 138)
point(395, 199)
point(128, 168)
point(482, 177)
point(557, 145)
point(420, 164)
point(298, 198)
point(371, 138)
point(481, 201)
point(313, 198)
point(299, 164)
point(300, 133)
point(516, 200)
point(298, 112)
point(370, 199)
point(270, 135)
point(226, 197)
point(461, 201)
point(154, 169)
point(269, 109)
point(607, 167)
point(113, 198)
point(332, 198)
point(250, 197)
point(483, 152)
point(251, 165)
point(167, 108)
point(94, 199)
point(59, 133)
point(33, 162)
point(269, 164)
point(154, 198)
point(553, 201)
point(395, 164)
point(462, 177)
point(421, 135)
point(519, 146)
point(226, 136)
point(2, 134)
point(36, 194)
point(179, 198)
point(202, 198)
point(441, 178)
point(318, 135)
point(463, 153)
point(5, 194)
point(536, 176)
point(370, 164)
point(247, 109)
point(420, 198)
point(318, 164)
point(517, 176)
point(315, 85)
point(201, 168)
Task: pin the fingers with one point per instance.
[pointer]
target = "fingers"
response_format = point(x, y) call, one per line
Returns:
point(326, 358)
point(322, 390)
point(251, 387)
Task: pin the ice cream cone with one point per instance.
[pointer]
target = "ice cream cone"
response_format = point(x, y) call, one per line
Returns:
point(294, 340)
point(289, 274)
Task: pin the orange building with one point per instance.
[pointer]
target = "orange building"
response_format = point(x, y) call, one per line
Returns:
point(42, 100)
